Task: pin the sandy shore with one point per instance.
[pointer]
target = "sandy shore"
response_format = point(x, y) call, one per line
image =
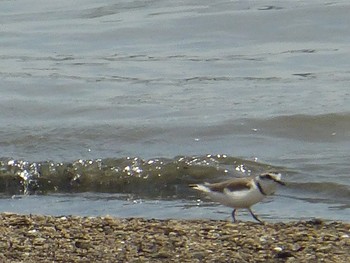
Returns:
point(105, 239)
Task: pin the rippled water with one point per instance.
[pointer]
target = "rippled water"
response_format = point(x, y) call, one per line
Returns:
point(113, 108)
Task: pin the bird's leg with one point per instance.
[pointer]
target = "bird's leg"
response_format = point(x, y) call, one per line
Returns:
point(255, 217)
point(233, 215)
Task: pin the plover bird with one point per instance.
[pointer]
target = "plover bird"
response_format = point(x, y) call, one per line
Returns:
point(242, 192)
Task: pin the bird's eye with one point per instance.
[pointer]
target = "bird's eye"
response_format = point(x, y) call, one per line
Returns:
point(264, 176)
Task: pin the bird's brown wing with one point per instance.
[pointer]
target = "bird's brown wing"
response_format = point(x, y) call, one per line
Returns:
point(237, 184)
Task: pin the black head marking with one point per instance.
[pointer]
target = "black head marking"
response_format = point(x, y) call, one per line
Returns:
point(272, 177)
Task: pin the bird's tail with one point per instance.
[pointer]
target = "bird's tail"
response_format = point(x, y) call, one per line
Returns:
point(200, 187)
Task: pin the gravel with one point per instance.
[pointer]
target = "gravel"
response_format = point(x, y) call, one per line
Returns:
point(38, 238)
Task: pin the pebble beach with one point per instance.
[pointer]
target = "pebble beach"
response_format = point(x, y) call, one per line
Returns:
point(39, 238)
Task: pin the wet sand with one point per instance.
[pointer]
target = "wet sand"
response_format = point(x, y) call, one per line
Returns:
point(36, 238)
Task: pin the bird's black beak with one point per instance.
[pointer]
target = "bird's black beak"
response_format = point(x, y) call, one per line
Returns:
point(280, 182)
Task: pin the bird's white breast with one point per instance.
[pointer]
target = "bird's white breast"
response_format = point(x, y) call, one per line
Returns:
point(237, 199)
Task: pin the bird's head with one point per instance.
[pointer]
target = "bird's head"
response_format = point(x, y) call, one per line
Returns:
point(271, 176)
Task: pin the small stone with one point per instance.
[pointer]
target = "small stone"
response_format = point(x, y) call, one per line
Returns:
point(83, 244)
point(278, 249)
point(39, 241)
point(162, 254)
point(284, 254)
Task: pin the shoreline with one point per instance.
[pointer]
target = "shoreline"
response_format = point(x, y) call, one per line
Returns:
point(38, 238)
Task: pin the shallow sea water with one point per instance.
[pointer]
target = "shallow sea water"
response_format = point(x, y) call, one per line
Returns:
point(264, 81)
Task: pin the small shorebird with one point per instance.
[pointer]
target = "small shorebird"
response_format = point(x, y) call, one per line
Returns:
point(242, 192)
